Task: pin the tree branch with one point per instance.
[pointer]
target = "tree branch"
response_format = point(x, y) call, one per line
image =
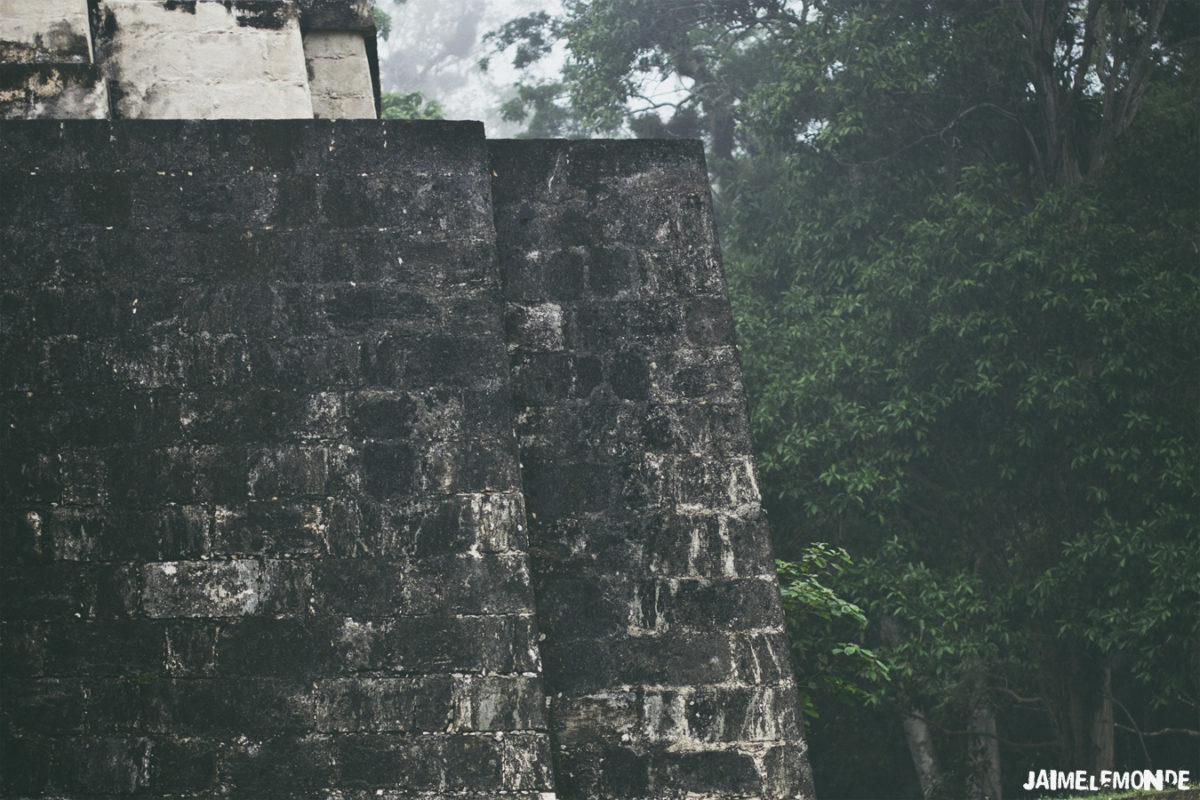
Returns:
point(1017, 697)
point(1091, 35)
point(1163, 732)
point(1135, 729)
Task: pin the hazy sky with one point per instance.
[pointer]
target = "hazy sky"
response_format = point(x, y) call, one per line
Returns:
point(435, 47)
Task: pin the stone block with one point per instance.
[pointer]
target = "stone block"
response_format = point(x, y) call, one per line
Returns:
point(191, 647)
point(582, 667)
point(144, 477)
point(220, 473)
point(336, 14)
point(31, 91)
point(309, 363)
point(600, 326)
point(383, 704)
point(39, 31)
point(377, 763)
point(287, 648)
point(708, 373)
point(787, 772)
point(612, 272)
point(279, 765)
point(204, 60)
point(497, 520)
point(534, 327)
point(297, 471)
point(183, 764)
point(207, 200)
point(258, 414)
point(389, 469)
point(472, 465)
point(584, 719)
point(527, 766)
point(233, 588)
point(595, 605)
point(359, 587)
point(281, 528)
point(92, 534)
point(721, 604)
point(101, 648)
point(744, 714)
point(44, 706)
point(498, 703)
point(629, 374)
point(473, 583)
point(109, 765)
point(674, 658)
point(361, 307)
point(66, 590)
point(27, 764)
point(339, 74)
point(717, 772)
point(762, 657)
point(664, 716)
point(492, 643)
point(540, 378)
point(696, 482)
point(709, 322)
point(712, 429)
point(473, 762)
point(102, 200)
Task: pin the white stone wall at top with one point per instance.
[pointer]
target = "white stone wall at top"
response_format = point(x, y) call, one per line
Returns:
point(55, 91)
point(204, 60)
point(48, 47)
point(339, 75)
point(44, 31)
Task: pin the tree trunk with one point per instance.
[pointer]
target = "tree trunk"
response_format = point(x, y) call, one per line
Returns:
point(984, 755)
point(916, 729)
point(920, 745)
point(1085, 726)
point(1102, 725)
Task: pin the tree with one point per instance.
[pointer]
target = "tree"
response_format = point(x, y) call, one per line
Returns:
point(402, 105)
point(410, 105)
point(382, 20)
point(825, 630)
point(955, 363)
point(961, 240)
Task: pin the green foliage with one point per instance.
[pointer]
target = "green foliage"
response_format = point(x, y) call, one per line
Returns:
point(531, 37)
point(962, 244)
point(619, 50)
point(410, 105)
point(383, 21)
point(537, 105)
point(826, 631)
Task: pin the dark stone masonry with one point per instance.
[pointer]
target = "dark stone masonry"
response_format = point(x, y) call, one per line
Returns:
point(366, 459)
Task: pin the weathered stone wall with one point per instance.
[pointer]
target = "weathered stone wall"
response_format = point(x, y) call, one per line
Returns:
point(666, 659)
point(42, 31)
point(338, 84)
point(187, 59)
point(204, 59)
point(261, 526)
point(277, 400)
point(47, 68)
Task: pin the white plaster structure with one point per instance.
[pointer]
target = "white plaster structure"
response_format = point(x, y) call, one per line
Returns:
point(336, 82)
point(48, 62)
point(201, 63)
point(185, 59)
point(44, 31)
